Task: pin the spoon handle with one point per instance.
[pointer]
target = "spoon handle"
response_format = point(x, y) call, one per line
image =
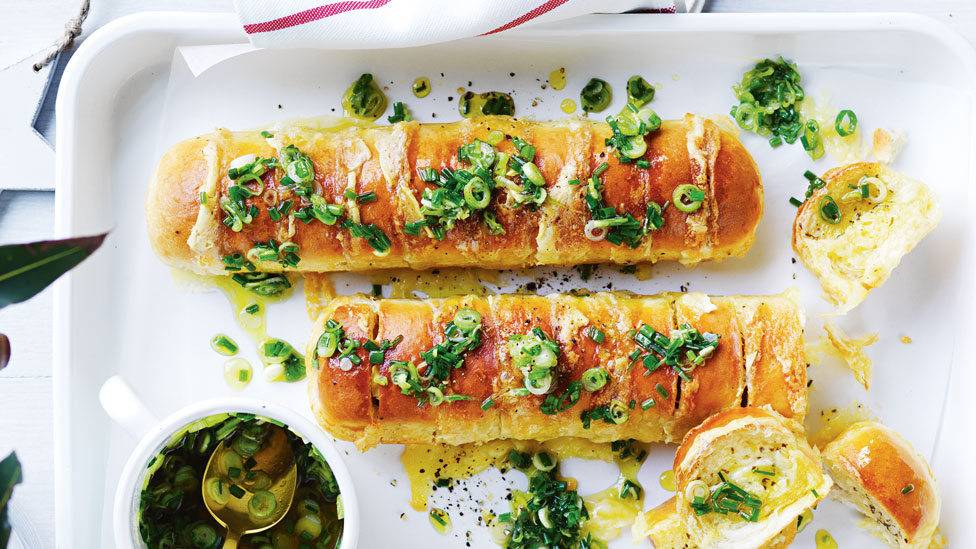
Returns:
point(231, 540)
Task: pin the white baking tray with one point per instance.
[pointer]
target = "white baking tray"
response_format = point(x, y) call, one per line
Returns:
point(121, 311)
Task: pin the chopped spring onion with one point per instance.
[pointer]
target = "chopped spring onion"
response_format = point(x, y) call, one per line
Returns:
point(535, 354)
point(829, 211)
point(595, 95)
point(661, 391)
point(769, 96)
point(400, 114)
point(687, 198)
point(908, 489)
point(224, 345)
point(594, 379)
point(639, 92)
point(648, 404)
point(364, 99)
point(299, 170)
point(487, 403)
point(467, 320)
point(543, 461)
point(495, 137)
point(727, 498)
point(263, 284)
point(812, 140)
point(262, 504)
point(796, 202)
point(596, 334)
point(553, 404)
point(846, 122)
point(267, 135)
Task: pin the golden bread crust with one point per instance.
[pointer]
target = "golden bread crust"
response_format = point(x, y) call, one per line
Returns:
point(873, 465)
point(385, 160)
point(352, 405)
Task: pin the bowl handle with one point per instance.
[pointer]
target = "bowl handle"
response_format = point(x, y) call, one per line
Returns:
point(122, 404)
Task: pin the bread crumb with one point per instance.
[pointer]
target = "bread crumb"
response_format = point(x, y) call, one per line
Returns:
point(906, 340)
point(887, 144)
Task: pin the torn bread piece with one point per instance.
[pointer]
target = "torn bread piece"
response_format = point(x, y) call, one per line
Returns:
point(743, 476)
point(664, 528)
point(849, 350)
point(883, 476)
point(853, 231)
point(887, 143)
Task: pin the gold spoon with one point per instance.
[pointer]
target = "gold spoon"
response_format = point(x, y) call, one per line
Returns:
point(261, 501)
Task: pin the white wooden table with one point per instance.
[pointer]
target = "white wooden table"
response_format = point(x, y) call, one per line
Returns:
point(25, 386)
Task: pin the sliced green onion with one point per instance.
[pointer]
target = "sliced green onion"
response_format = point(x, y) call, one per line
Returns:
point(661, 390)
point(796, 202)
point(846, 122)
point(596, 334)
point(618, 412)
point(224, 345)
point(477, 194)
point(829, 211)
point(595, 379)
point(687, 198)
point(908, 489)
point(543, 461)
point(639, 92)
point(531, 172)
point(595, 95)
point(647, 404)
point(467, 320)
point(495, 137)
point(487, 403)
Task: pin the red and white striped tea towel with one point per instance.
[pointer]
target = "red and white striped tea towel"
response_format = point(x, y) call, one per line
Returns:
point(359, 24)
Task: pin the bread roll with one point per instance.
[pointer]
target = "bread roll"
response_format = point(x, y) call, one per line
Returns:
point(361, 402)
point(386, 160)
point(723, 455)
point(666, 531)
point(859, 252)
point(878, 472)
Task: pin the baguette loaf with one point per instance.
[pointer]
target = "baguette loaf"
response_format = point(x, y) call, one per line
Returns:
point(188, 225)
point(758, 361)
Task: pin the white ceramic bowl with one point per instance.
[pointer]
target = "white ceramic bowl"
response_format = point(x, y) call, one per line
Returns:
point(125, 408)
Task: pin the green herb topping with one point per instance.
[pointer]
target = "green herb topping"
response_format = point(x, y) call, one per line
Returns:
point(535, 354)
point(461, 335)
point(364, 99)
point(614, 413)
point(611, 226)
point(552, 515)
point(726, 498)
point(639, 92)
point(596, 95)
point(400, 114)
point(685, 350)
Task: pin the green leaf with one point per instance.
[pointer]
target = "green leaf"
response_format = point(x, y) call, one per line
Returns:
point(26, 269)
point(10, 475)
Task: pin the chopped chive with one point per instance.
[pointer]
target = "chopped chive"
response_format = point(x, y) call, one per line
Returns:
point(487, 403)
point(767, 473)
point(252, 308)
point(574, 181)
point(815, 494)
point(796, 202)
point(203, 198)
point(366, 198)
point(647, 404)
point(661, 390)
point(642, 163)
point(596, 334)
point(350, 194)
point(908, 489)
point(266, 134)
point(236, 491)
